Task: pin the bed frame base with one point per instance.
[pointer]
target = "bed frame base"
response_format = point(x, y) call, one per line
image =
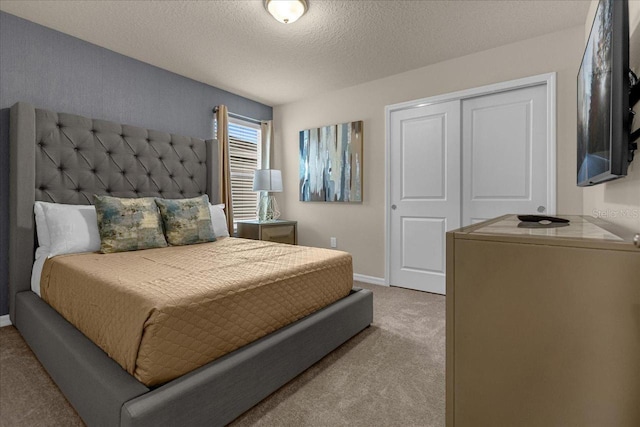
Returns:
point(214, 395)
point(95, 384)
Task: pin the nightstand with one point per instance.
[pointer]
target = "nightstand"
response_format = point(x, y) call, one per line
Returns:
point(279, 230)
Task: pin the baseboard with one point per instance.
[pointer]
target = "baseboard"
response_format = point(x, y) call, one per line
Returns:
point(5, 321)
point(369, 279)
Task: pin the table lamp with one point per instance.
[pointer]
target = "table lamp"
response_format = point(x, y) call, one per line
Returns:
point(267, 181)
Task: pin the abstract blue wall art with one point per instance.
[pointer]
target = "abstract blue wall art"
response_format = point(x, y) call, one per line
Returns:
point(331, 163)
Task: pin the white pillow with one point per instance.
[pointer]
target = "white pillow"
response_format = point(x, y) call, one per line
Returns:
point(62, 229)
point(41, 226)
point(219, 220)
point(71, 228)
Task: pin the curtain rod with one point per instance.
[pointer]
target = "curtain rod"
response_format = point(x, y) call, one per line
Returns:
point(240, 116)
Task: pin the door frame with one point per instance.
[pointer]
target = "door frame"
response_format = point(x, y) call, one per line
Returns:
point(548, 79)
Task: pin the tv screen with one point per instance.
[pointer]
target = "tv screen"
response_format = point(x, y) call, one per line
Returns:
point(603, 97)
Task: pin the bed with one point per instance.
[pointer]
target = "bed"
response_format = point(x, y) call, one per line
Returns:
point(65, 158)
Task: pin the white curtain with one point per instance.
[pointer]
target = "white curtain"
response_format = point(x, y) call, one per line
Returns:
point(266, 153)
point(224, 173)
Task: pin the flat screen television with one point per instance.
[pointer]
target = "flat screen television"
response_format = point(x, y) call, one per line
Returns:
point(603, 97)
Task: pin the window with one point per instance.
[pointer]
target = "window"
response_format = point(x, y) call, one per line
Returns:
point(244, 159)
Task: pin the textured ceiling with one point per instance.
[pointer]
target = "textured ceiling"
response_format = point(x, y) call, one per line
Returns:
point(237, 46)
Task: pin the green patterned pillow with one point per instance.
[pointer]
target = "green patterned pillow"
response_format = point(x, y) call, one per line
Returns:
point(128, 224)
point(186, 221)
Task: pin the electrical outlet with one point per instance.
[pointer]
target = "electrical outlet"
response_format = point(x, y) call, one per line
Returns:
point(334, 242)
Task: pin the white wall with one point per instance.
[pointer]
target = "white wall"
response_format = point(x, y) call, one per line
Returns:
point(619, 201)
point(360, 227)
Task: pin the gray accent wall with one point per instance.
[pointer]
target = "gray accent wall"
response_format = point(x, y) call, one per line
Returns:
point(59, 72)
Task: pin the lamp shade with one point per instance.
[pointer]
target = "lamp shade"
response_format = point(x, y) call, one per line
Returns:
point(267, 180)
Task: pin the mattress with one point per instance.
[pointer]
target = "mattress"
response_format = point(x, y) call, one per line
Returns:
point(161, 313)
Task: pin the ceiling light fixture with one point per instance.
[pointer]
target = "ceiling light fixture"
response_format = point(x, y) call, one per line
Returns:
point(286, 11)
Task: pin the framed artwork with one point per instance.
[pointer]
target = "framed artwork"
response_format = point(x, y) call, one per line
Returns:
point(331, 163)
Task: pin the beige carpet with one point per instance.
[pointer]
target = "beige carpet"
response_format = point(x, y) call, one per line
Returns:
point(391, 374)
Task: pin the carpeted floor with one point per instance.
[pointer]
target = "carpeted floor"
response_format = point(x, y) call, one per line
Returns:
point(391, 374)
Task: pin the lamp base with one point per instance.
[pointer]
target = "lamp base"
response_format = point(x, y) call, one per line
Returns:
point(268, 209)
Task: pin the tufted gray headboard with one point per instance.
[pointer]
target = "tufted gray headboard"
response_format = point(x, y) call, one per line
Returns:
point(65, 158)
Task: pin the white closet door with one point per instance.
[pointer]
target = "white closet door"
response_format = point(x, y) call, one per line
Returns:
point(425, 193)
point(504, 154)
point(458, 162)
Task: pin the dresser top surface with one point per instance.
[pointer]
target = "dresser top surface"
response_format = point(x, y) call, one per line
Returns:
point(581, 231)
point(579, 227)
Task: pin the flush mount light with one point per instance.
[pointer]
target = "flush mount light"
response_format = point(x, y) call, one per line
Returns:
point(286, 11)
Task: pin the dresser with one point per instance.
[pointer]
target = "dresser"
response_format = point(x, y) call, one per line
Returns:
point(543, 325)
point(281, 231)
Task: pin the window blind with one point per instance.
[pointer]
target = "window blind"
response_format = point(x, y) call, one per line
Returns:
point(244, 152)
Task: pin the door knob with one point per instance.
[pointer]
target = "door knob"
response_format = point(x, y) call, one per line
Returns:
point(636, 240)
point(394, 207)
point(541, 209)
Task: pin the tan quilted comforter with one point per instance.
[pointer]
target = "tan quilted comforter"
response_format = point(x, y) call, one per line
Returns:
point(161, 313)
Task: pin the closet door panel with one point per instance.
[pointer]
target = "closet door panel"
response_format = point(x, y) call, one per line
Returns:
point(504, 154)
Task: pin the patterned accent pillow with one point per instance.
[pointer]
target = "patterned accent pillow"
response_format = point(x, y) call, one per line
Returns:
point(128, 224)
point(186, 221)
